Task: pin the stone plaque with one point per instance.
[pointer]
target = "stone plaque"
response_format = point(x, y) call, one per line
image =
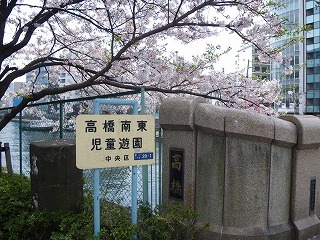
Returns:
point(176, 173)
point(312, 195)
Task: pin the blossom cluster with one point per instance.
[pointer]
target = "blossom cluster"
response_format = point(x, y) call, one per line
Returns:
point(118, 43)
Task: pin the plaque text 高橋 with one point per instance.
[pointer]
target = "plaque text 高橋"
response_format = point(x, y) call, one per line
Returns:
point(176, 173)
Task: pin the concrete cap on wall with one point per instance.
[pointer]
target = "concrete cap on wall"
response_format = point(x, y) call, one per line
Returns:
point(285, 133)
point(249, 125)
point(214, 119)
point(237, 123)
point(178, 113)
point(210, 118)
point(184, 114)
point(54, 143)
point(308, 129)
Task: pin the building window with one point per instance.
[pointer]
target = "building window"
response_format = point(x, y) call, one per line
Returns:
point(310, 71)
point(310, 55)
point(316, 85)
point(310, 26)
point(309, 86)
point(310, 41)
point(309, 12)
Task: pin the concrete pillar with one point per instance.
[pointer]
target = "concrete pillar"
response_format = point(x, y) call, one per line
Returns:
point(285, 138)
point(305, 202)
point(210, 172)
point(56, 182)
point(179, 138)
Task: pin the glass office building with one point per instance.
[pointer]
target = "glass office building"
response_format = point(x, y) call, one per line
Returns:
point(312, 53)
point(301, 90)
point(290, 84)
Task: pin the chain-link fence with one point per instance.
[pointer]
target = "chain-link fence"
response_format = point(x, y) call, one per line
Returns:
point(56, 120)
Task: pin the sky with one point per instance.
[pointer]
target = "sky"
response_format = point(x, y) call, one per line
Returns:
point(224, 39)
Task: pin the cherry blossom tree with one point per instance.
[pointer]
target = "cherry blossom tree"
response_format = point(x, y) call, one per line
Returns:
point(107, 45)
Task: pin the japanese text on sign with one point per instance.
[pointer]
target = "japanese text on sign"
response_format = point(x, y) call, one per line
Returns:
point(114, 140)
point(176, 173)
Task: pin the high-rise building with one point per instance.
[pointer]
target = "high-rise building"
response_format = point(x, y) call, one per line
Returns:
point(301, 89)
point(312, 54)
point(292, 85)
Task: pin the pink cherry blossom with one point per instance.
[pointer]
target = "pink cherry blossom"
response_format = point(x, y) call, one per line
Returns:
point(109, 45)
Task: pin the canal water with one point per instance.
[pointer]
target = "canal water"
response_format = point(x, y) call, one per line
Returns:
point(10, 134)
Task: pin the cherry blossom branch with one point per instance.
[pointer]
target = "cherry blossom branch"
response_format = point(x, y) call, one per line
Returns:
point(118, 46)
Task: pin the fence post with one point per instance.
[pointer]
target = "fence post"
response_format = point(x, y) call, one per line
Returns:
point(61, 119)
point(8, 158)
point(160, 164)
point(145, 174)
point(20, 141)
point(0, 157)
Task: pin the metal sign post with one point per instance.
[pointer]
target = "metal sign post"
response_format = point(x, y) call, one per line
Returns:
point(113, 141)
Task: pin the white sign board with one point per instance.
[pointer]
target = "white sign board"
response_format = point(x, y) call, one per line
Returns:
point(104, 141)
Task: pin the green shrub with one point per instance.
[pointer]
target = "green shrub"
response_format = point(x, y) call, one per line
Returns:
point(20, 220)
point(151, 224)
point(171, 222)
point(15, 205)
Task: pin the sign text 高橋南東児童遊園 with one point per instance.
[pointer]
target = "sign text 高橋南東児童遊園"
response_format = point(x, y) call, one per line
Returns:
point(114, 140)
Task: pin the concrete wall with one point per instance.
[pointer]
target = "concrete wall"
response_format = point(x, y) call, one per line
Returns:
point(247, 174)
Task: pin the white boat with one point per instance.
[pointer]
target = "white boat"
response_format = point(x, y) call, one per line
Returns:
point(39, 125)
